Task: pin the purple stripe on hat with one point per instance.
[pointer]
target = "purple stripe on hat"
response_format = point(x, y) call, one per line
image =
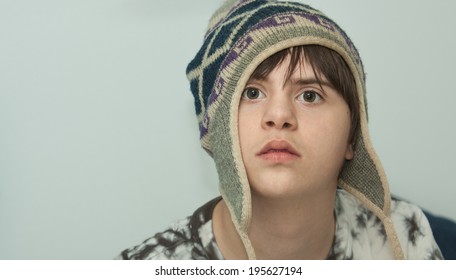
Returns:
point(236, 51)
point(275, 21)
point(220, 82)
point(216, 90)
point(287, 19)
point(318, 20)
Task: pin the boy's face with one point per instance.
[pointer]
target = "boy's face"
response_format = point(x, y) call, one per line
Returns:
point(293, 133)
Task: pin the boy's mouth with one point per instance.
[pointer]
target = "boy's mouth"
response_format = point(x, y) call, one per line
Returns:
point(278, 150)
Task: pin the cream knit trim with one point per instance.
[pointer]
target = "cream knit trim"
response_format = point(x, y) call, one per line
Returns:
point(243, 234)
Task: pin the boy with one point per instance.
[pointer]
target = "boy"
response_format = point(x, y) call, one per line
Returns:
point(280, 98)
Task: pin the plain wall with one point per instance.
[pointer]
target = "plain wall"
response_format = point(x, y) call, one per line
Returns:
point(99, 143)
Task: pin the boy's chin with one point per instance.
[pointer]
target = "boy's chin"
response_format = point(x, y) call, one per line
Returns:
point(278, 191)
point(289, 189)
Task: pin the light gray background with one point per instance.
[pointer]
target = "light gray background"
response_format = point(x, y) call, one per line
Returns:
point(98, 140)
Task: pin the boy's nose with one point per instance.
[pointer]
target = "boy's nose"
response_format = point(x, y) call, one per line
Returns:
point(279, 114)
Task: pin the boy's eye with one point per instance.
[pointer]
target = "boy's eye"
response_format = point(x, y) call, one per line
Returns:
point(309, 96)
point(252, 93)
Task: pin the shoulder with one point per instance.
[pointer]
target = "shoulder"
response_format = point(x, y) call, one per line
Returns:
point(173, 243)
point(413, 230)
point(367, 234)
point(183, 240)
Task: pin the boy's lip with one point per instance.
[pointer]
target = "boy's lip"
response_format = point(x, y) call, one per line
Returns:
point(278, 146)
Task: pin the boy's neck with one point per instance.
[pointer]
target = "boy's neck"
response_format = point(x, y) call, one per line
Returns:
point(280, 229)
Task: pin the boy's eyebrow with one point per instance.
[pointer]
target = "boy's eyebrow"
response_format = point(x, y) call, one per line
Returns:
point(312, 81)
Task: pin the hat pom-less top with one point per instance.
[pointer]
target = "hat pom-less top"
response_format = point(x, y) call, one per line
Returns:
point(240, 35)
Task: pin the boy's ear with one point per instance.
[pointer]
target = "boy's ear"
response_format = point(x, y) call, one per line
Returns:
point(349, 153)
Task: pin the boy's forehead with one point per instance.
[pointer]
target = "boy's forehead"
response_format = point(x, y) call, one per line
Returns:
point(299, 72)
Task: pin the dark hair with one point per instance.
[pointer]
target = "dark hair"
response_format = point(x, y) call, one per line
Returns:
point(323, 61)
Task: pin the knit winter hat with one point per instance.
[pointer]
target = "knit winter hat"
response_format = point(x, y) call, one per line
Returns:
point(240, 35)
